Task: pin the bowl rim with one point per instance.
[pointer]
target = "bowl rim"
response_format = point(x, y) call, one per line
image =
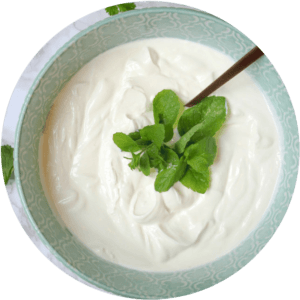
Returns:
point(189, 11)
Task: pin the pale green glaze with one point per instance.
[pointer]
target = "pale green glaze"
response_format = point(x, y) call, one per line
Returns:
point(130, 26)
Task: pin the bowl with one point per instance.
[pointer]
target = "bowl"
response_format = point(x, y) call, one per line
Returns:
point(130, 26)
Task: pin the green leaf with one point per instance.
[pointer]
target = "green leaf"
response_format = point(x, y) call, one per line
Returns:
point(210, 113)
point(198, 182)
point(167, 177)
point(115, 9)
point(154, 133)
point(7, 161)
point(199, 164)
point(112, 10)
point(126, 6)
point(181, 110)
point(202, 154)
point(170, 156)
point(135, 135)
point(166, 107)
point(145, 164)
point(125, 142)
point(182, 142)
point(143, 143)
point(153, 151)
point(156, 161)
point(135, 161)
point(164, 159)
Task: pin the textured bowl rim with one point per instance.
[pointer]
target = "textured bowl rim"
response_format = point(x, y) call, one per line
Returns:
point(189, 11)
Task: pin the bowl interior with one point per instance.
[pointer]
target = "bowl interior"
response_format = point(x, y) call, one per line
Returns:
point(135, 25)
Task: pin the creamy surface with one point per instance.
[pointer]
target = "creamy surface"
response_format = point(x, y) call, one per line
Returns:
point(115, 211)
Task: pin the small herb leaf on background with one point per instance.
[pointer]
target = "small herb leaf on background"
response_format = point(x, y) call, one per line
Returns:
point(115, 9)
point(7, 161)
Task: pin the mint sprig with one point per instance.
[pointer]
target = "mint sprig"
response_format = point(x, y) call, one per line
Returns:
point(115, 9)
point(189, 159)
point(7, 161)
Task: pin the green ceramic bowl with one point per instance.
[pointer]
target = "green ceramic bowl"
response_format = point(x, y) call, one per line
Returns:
point(184, 24)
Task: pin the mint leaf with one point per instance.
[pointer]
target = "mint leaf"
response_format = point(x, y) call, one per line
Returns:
point(135, 160)
point(166, 107)
point(135, 135)
point(145, 164)
point(156, 161)
point(210, 112)
point(162, 160)
point(7, 161)
point(201, 120)
point(198, 182)
point(125, 142)
point(158, 164)
point(115, 9)
point(182, 142)
point(170, 156)
point(112, 10)
point(143, 143)
point(202, 154)
point(154, 133)
point(126, 6)
point(153, 151)
point(166, 178)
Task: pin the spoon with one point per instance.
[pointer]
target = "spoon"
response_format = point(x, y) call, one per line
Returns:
point(238, 67)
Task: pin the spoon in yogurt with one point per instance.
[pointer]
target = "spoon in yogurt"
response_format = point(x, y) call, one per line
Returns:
point(238, 67)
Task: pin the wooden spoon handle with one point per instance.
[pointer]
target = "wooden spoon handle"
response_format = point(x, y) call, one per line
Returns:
point(238, 67)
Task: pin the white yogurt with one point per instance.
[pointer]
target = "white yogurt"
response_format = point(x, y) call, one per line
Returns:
point(115, 211)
